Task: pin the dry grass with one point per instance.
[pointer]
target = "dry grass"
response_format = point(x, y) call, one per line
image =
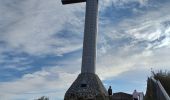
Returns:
point(164, 78)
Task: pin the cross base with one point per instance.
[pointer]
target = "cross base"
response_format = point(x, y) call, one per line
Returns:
point(87, 86)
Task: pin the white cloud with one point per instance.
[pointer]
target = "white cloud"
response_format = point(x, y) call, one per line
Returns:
point(120, 3)
point(147, 27)
point(110, 65)
point(47, 81)
point(54, 81)
point(33, 24)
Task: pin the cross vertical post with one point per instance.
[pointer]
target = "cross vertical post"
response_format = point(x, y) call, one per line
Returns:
point(88, 86)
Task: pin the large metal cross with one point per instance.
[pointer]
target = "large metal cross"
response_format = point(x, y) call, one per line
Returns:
point(90, 35)
point(87, 86)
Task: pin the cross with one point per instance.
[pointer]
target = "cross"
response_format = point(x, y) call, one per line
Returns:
point(87, 86)
point(90, 35)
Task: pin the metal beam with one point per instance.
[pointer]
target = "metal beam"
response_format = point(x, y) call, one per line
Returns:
point(72, 1)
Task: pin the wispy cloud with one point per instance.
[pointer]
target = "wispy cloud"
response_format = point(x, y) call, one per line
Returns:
point(35, 24)
point(46, 81)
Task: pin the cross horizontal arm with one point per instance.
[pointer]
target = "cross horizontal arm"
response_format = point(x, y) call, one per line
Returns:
point(72, 1)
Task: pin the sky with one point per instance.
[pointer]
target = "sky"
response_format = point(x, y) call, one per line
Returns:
point(41, 45)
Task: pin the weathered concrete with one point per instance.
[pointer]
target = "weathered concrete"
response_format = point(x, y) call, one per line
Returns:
point(121, 96)
point(87, 86)
point(90, 37)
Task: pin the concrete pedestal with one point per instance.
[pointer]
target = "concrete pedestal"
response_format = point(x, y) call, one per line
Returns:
point(87, 86)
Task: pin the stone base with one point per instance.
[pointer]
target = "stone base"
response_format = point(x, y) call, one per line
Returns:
point(87, 86)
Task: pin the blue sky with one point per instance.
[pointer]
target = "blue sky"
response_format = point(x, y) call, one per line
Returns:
point(41, 45)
